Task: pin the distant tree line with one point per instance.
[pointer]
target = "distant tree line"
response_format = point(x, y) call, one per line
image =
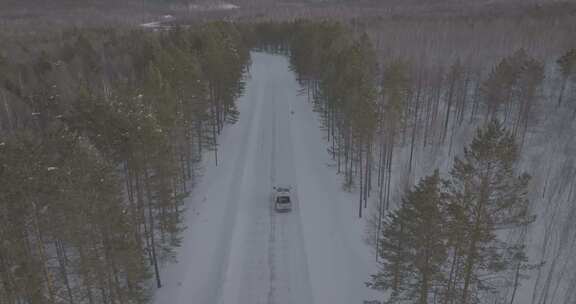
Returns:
point(101, 132)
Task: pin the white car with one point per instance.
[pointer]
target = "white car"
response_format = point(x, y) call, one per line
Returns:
point(282, 199)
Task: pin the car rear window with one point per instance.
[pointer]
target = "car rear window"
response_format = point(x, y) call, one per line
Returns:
point(283, 200)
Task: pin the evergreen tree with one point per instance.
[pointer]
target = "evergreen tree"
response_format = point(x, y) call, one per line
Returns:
point(512, 85)
point(485, 195)
point(413, 245)
point(74, 227)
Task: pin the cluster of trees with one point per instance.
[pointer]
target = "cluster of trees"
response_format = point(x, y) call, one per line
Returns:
point(445, 244)
point(368, 111)
point(513, 85)
point(338, 69)
point(101, 132)
point(445, 104)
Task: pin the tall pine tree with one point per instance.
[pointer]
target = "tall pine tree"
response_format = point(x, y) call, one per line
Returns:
point(413, 245)
point(486, 195)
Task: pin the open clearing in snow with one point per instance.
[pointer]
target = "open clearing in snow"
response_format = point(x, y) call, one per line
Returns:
point(237, 249)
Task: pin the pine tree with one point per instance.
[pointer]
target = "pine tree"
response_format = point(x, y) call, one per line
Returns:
point(512, 85)
point(395, 94)
point(413, 245)
point(486, 195)
point(497, 89)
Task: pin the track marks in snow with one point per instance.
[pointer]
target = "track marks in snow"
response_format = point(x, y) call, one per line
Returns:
point(241, 281)
point(272, 234)
point(293, 285)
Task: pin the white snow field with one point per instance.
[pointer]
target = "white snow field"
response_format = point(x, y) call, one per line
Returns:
point(237, 249)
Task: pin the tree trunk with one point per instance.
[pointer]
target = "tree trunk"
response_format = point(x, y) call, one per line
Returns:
point(448, 109)
point(361, 185)
point(152, 232)
point(424, 289)
point(452, 276)
point(63, 260)
point(562, 89)
point(516, 279)
point(42, 253)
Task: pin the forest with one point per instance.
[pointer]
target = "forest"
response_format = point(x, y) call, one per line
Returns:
point(101, 133)
point(456, 134)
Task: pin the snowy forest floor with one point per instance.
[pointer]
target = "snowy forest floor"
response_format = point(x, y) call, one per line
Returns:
point(236, 249)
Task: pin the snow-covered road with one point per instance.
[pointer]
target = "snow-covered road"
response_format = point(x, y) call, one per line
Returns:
point(236, 249)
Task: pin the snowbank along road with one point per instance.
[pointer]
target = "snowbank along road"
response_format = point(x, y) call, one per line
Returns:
point(237, 249)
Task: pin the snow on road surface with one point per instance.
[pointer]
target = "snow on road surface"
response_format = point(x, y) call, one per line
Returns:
point(237, 249)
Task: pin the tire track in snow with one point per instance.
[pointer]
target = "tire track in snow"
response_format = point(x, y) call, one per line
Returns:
point(290, 281)
point(252, 275)
point(299, 280)
point(233, 199)
point(272, 233)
